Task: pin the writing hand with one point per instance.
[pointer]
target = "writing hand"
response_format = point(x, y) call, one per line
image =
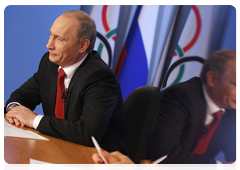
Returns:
point(117, 161)
point(112, 158)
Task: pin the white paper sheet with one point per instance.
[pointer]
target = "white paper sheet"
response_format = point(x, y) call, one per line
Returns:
point(12, 131)
point(39, 165)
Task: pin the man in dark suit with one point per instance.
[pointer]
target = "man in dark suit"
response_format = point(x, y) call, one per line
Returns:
point(93, 104)
point(186, 110)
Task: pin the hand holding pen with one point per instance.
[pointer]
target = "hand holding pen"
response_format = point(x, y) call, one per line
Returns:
point(114, 157)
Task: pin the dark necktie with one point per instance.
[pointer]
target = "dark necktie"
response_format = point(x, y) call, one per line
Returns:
point(204, 141)
point(60, 100)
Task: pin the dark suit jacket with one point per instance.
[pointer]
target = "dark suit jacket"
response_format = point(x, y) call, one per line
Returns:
point(93, 107)
point(179, 126)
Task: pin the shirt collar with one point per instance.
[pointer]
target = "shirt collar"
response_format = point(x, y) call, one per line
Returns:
point(70, 70)
point(211, 106)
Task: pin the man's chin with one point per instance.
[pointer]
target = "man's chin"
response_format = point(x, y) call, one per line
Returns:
point(53, 59)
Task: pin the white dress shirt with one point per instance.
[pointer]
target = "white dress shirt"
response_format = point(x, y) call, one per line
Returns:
point(69, 70)
point(210, 110)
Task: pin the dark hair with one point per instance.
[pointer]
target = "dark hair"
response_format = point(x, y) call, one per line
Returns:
point(217, 63)
point(86, 28)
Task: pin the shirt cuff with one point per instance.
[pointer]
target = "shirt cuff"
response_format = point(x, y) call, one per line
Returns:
point(220, 165)
point(37, 120)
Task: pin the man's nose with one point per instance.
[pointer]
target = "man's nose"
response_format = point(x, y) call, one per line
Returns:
point(50, 44)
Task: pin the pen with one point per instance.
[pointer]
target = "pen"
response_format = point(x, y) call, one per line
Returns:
point(98, 149)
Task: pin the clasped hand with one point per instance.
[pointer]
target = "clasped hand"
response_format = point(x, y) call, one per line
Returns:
point(21, 116)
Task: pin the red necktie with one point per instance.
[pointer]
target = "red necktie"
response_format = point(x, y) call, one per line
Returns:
point(206, 138)
point(60, 100)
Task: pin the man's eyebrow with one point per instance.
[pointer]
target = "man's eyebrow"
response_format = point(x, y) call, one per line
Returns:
point(55, 34)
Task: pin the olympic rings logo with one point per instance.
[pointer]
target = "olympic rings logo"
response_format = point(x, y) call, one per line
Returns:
point(104, 39)
point(181, 51)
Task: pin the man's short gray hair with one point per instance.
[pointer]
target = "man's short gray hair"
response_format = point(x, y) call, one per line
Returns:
point(217, 63)
point(86, 28)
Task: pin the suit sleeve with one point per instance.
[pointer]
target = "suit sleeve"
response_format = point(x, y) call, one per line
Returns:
point(99, 96)
point(172, 120)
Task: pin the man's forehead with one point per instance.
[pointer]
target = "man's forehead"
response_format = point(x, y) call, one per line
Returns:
point(63, 25)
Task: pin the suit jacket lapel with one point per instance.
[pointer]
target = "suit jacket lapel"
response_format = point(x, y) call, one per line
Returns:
point(202, 111)
point(53, 84)
point(70, 89)
point(73, 81)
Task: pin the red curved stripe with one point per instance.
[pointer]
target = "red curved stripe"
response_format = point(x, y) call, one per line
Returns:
point(198, 19)
point(104, 18)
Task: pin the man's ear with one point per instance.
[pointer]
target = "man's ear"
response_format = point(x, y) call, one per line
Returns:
point(84, 45)
point(211, 78)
